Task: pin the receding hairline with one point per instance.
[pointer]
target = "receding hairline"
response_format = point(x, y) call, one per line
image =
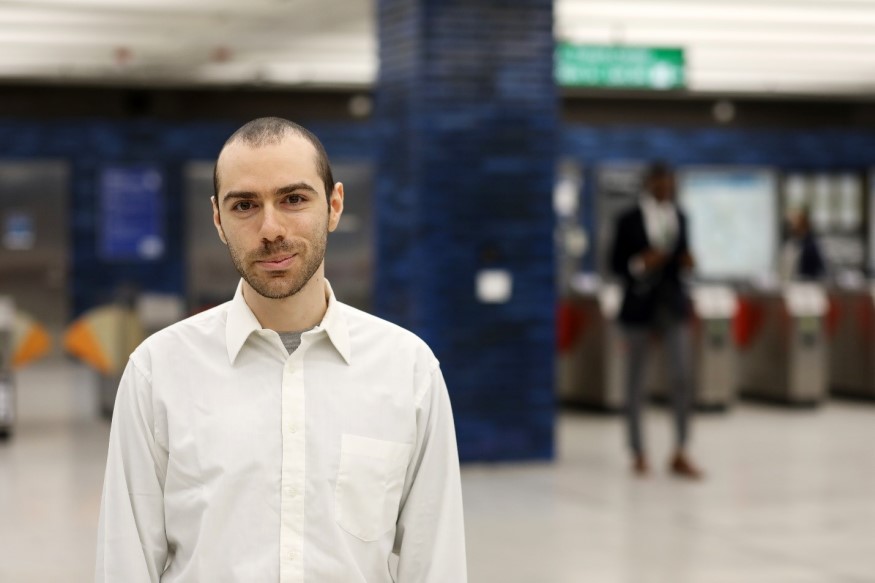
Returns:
point(272, 131)
point(239, 142)
point(265, 131)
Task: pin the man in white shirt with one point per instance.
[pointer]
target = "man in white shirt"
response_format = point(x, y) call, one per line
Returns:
point(282, 436)
point(651, 254)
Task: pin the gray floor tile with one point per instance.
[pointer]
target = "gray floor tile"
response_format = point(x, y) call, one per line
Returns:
point(790, 497)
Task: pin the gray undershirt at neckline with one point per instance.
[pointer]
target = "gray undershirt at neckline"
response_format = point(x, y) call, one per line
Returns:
point(291, 340)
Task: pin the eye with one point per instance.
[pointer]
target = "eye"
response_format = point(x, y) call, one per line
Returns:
point(243, 205)
point(295, 199)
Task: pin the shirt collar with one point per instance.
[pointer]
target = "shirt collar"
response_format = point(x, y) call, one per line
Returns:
point(335, 325)
point(650, 204)
point(242, 323)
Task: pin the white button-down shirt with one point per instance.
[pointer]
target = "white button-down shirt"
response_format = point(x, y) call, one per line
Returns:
point(230, 460)
point(660, 222)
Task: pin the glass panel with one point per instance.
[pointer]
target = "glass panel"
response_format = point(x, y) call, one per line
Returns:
point(34, 242)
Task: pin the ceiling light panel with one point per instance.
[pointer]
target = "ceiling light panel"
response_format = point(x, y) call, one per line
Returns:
point(743, 45)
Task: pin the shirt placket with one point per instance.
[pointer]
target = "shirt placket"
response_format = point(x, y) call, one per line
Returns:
point(665, 229)
point(293, 468)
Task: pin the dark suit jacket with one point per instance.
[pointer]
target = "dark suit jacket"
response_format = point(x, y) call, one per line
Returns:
point(657, 293)
point(811, 265)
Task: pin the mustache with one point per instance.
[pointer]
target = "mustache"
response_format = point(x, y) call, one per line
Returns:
point(272, 248)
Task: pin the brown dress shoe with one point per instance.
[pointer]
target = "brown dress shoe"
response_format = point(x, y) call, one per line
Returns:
point(684, 468)
point(640, 466)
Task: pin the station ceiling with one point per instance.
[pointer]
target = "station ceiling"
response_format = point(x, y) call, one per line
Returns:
point(803, 47)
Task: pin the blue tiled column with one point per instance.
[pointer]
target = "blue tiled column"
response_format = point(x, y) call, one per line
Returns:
point(467, 119)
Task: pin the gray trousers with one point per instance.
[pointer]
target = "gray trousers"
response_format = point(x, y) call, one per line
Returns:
point(676, 336)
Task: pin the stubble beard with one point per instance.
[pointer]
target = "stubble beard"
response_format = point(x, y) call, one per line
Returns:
point(278, 285)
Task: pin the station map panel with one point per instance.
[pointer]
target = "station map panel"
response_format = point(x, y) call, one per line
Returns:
point(733, 221)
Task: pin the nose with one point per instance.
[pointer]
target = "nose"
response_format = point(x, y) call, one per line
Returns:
point(271, 225)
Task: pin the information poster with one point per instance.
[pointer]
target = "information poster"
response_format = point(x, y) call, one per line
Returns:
point(733, 222)
point(131, 212)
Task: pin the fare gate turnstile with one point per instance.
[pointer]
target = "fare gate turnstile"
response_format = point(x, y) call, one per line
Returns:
point(713, 352)
point(7, 384)
point(782, 344)
point(103, 337)
point(851, 332)
point(590, 364)
point(591, 368)
point(152, 312)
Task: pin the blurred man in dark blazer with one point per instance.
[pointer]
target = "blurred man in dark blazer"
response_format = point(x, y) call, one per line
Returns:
point(650, 254)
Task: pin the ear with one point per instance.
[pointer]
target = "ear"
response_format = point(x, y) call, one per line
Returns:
point(335, 207)
point(217, 220)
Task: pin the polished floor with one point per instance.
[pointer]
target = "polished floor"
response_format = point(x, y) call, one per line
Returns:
point(790, 497)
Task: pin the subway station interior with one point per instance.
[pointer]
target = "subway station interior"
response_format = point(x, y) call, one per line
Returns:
point(487, 149)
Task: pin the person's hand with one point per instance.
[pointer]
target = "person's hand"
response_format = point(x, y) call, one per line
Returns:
point(653, 259)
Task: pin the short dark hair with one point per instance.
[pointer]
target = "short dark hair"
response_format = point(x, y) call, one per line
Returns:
point(271, 130)
point(657, 170)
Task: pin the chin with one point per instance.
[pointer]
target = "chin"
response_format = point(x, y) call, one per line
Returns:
point(275, 288)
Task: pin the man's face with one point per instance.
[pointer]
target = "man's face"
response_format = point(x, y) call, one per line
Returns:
point(799, 224)
point(272, 214)
point(662, 187)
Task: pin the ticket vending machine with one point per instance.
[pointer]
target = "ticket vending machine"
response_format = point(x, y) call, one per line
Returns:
point(782, 344)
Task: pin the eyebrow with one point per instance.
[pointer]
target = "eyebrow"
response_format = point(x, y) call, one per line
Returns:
point(293, 187)
point(288, 189)
point(234, 194)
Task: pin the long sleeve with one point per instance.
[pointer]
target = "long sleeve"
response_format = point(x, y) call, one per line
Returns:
point(430, 539)
point(621, 254)
point(131, 543)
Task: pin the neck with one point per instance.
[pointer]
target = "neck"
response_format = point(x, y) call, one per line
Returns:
point(657, 200)
point(301, 311)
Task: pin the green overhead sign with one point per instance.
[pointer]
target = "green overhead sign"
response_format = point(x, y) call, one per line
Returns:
point(619, 67)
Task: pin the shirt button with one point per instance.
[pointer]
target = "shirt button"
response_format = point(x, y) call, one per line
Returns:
point(292, 428)
point(291, 491)
point(291, 555)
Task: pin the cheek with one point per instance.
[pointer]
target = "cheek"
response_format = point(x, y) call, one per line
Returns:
point(237, 240)
point(311, 227)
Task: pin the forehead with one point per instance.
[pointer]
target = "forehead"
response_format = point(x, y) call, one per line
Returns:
point(254, 167)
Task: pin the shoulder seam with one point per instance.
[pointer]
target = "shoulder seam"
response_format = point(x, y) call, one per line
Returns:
point(434, 368)
point(140, 371)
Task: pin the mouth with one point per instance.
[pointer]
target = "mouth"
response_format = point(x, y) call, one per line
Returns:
point(276, 263)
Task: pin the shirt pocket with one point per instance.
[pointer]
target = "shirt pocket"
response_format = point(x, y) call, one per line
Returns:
point(370, 480)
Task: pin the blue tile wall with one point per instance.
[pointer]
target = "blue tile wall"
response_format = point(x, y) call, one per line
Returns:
point(468, 118)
